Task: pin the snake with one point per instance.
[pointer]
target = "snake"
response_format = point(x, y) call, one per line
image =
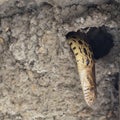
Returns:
point(85, 64)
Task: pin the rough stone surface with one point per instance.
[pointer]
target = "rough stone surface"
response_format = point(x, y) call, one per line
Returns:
point(38, 74)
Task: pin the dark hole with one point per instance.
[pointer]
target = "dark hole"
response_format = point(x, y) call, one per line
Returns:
point(99, 39)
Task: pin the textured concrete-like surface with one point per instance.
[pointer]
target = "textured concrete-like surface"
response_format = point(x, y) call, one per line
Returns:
point(38, 74)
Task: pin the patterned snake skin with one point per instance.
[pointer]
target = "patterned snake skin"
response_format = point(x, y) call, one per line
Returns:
point(85, 64)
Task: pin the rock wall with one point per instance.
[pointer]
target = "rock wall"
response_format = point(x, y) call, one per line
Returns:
point(38, 73)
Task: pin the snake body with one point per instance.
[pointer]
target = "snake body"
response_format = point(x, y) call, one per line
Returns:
point(86, 66)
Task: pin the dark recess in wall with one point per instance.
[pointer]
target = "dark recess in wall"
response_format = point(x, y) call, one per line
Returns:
point(99, 39)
